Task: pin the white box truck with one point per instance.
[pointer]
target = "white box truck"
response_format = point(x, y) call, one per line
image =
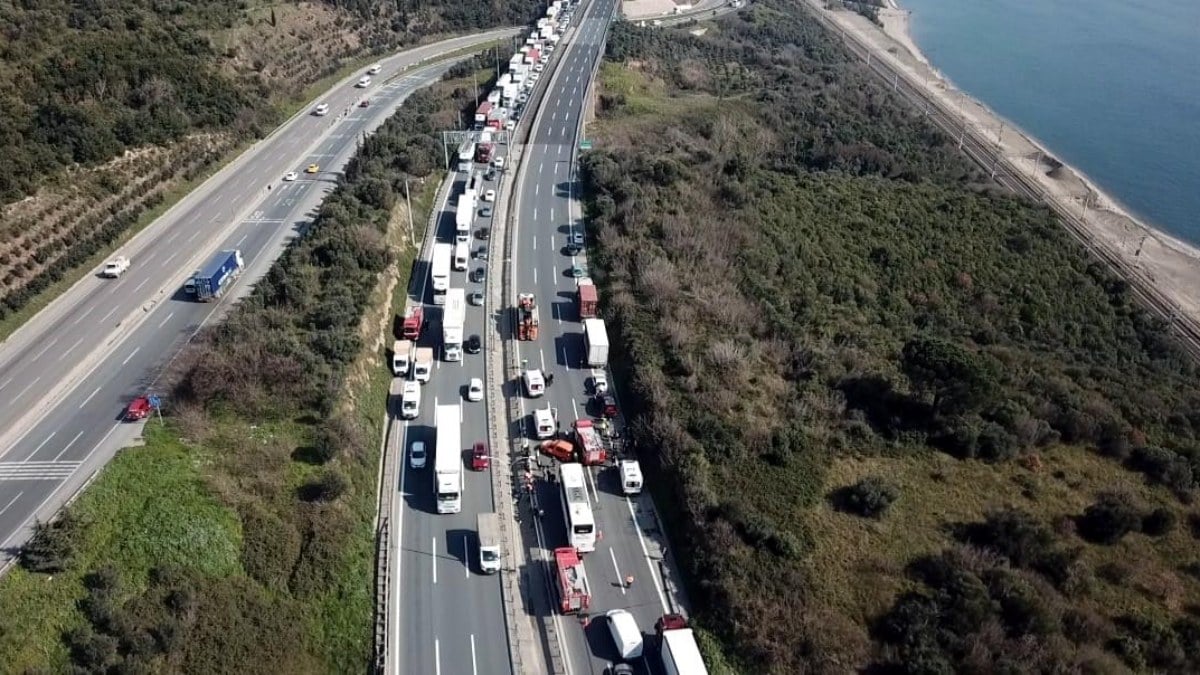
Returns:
point(401, 357)
point(595, 340)
point(462, 255)
point(447, 460)
point(454, 313)
point(423, 364)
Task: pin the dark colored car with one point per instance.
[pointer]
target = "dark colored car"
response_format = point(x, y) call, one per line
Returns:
point(476, 298)
point(478, 275)
point(365, 102)
point(485, 212)
point(572, 249)
point(474, 345)
point(482, 233)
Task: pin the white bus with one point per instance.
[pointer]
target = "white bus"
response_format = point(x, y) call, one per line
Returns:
point(577, 508)
point(439, 271)
point(466, 156)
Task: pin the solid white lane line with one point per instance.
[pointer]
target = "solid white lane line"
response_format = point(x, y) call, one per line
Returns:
point(135, 351)
point(467, 565)
point(68, 447)
point(85, 401)
point(474, 666)
point(617, 571)
point(63, 354)
point(637, 527)
point(437, 657)
point(164, 321)
point(434, 559)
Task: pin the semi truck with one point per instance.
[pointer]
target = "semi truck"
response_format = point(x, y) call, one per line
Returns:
point(574, 593)
point(595, 340)
point(482, 111)
point(527, 317)
point(210, 282)
point(447, 460)
point(439, 271)
point(454, 313)
point(588, 298)
point(488, 528)
point(677, 647)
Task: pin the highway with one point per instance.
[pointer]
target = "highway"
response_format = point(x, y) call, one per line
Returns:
point(67, 375)
point(547, 214)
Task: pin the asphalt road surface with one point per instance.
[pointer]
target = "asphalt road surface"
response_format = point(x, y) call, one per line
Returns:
point(547, 216)
point(67, 375)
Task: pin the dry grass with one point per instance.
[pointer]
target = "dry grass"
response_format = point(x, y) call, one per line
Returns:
point(857, 565)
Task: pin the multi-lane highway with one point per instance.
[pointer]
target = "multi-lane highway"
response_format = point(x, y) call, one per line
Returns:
point(66, 376)
point(547, 216)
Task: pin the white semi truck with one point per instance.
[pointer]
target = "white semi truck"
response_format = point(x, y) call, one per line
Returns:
point(447, 460)
point(439, 271)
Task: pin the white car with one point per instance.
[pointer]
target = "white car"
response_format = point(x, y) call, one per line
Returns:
point(498, 163)
point(291, 176)
point(321, 110)
point(374, 70)
point(475, 389)
point(416, 455)
point(510, 125)
point(115, 267)
point(535, 76)
point(489, 196)
point(363, 82)
point(538, 68)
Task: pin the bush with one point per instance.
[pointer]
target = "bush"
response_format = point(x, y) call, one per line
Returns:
point(326, 487)
point(1158, 522)
point(52, 547)
point(1109, 519)
point(869, 497)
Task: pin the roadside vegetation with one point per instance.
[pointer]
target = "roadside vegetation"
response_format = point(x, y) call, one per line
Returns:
point(898, 420)
point(112, 107)
point(240, 537)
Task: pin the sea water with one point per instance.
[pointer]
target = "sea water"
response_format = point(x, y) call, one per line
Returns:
point(1111, 87)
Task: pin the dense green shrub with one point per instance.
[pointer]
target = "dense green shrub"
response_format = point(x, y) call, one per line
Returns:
point(869, 497)
point(1109, 519)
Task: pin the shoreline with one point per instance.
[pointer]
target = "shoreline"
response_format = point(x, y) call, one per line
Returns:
point(1166, 261)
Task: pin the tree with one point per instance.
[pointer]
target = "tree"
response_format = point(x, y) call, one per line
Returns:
point(1108, 520)
point(958, 380)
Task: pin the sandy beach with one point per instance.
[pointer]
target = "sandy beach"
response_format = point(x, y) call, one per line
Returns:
point(1173, 266)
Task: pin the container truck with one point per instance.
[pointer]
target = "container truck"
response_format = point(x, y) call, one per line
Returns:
point(527, 317)
point(423, 364)
point(573, 591)
point(677, 647)
point(464, 215)
point(588, 298)
point(483, 152)
point(210, 282)
point(447, 460)
point(401, 357)
point(488, 527)
point(439, 271)
point(482, 111)
point(595, 340)
point(453, 315)
point(493, 97)
point(466, 154)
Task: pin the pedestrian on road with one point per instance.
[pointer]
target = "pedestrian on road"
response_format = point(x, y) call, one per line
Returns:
point(628, 581)
point(549, 379)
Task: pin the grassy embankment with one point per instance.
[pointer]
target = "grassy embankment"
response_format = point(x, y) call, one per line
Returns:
point(898, 418)
point(241, 534)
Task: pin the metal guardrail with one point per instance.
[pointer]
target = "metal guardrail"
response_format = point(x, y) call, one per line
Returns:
point(985, 154)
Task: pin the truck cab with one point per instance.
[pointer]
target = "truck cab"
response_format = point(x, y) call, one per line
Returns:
point(410, 402)
point(401, 357)
point(423, 364)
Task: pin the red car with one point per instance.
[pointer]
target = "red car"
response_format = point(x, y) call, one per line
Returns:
point(480, 460)
point(365, 102)
point(139, 409)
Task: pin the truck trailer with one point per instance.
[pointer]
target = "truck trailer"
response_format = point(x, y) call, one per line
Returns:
point(588, 298)
point(209, 282)
point(595, 340)
point(677, 647)
point(590, 448)
point(447, 460)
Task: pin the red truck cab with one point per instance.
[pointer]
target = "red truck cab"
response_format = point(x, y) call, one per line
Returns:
point(414, 322)
point(480, 460)
point(138, 409)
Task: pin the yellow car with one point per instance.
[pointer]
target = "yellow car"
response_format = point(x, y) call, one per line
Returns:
point(312, 168)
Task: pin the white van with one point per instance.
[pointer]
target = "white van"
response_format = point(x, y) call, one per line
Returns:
point(535, 384)
point(401, 357)
point(625, 633)
point(543, 422)
point(631, 477)
point(321, 110)
point(423, 364)
point(410, 403)
point(364, 82)
point(462, 255)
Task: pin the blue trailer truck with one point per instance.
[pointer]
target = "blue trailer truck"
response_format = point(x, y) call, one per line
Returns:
point(210, 281)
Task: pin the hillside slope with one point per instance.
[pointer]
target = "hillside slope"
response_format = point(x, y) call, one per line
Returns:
point(899, 419)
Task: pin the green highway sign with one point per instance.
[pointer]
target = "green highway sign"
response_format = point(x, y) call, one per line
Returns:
point(585, 145)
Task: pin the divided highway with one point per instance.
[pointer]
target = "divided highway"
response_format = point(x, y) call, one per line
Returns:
point(631, 541)
point(66, 376)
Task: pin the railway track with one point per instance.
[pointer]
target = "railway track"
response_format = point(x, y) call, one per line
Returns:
point(988, 157)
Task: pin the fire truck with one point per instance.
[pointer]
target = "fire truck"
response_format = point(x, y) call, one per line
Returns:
point(527, 317)
point(574, 593)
